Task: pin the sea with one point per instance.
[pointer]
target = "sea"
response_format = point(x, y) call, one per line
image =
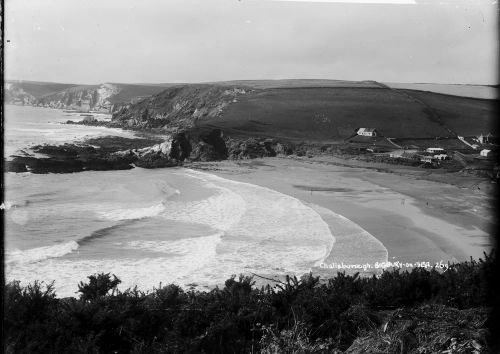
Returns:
point(151, 227)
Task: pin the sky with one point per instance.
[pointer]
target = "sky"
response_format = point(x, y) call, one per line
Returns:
point(158, 41)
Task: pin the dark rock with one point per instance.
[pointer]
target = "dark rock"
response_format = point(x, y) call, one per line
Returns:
point(215, 139)
point(15, 166)
point(250, 149)
point(70, 158)
point(204, 152)
point(53, 165)
point(155, 161)
point(109, 163)
point(283, 149)
point(180, 148)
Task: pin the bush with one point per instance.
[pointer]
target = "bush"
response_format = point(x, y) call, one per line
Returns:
point(304, 315)
point(98, 286)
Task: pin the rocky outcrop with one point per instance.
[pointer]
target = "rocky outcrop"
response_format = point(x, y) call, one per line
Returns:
point(180, 149)
point(105, 97)
point(14, 94)
point(178, 108)
point(250, 148)
point(82, 98)
point(116, 153)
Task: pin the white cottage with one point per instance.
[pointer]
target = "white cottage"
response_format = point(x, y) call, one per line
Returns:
point(485, 153)
point(367, 132)
point(435, 150)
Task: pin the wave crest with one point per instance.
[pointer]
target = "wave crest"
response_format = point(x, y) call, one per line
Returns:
point(40, 253)
point(133, 213)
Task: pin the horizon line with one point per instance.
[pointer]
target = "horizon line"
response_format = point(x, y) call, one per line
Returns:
point(230, 80)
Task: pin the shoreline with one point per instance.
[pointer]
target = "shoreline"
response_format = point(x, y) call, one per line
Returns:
point(387, 205)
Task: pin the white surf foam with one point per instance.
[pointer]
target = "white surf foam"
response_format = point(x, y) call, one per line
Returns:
point(187, 257)
point(221, 211)
point(6, 205)
point(132, 213)
point(184, 263)
point(32, 255)
point(257, 230)
point(275, 232)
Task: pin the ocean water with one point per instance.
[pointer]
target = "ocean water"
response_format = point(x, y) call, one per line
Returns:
point(27, 126)
point(148, 227)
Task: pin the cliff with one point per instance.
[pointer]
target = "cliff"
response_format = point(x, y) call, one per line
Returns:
point(179, 107)
point(100, 97)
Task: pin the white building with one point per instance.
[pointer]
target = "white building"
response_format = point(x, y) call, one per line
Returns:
point(435, 150)
point(427, 159)
point(367, 132)
point(485, 152)
point(441, 156)
point(483, 139)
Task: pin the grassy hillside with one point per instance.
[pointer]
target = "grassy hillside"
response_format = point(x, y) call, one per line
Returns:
point(296, 83)
point(39, 89)
point(311, 112)
point(131, 91)
point(467, 116)
point(326, 114)
point(125, 92)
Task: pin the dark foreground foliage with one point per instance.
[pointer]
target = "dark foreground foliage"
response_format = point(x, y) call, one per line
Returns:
point(423, 311)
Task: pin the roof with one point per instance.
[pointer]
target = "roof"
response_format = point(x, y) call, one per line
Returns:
point(366, 130)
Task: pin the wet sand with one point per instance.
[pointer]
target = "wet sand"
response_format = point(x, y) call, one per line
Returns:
point(416, 219)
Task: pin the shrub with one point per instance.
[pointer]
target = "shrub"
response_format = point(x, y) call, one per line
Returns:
point(98, 286)
point(306, 315)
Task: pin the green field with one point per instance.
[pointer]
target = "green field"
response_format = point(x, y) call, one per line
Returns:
point(329, 114)
point(466, 116)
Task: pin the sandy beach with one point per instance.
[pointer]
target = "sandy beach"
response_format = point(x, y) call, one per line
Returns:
point(416, 219)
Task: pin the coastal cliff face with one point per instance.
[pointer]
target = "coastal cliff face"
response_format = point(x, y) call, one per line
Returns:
point(15, 94)
point(178, 107)
point(102, 97)
point(84, 98)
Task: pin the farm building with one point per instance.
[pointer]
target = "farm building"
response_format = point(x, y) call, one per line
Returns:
point(427, 158)
point(483, 139)
point(485, 153)
point(435, 150)
point(367, 132)
point(441, 157)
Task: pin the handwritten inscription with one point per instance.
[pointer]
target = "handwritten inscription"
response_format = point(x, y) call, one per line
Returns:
point(384, 265)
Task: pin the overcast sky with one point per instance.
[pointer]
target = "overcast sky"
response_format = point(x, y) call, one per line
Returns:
point(97, 41)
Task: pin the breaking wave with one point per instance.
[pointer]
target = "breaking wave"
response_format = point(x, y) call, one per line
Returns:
point(40, 253)
point(133, 213)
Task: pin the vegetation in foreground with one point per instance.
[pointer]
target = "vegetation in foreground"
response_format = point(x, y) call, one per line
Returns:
point(423, 311)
